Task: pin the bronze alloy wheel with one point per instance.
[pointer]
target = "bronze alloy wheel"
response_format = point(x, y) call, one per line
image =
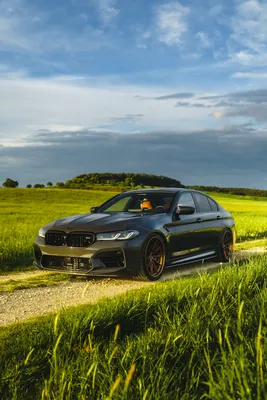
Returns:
point(226, 249)
point(227, 244)
point(154, 257)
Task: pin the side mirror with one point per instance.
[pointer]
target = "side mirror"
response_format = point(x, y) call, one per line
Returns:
point(93, 210)
point(185, 210)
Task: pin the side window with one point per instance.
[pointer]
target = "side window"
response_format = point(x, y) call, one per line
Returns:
point(119, 205)
point(213, 205)
point(202, 202)
point(186, 199)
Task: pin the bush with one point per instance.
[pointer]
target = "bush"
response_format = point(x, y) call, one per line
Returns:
point(9, 183)
point(38, 186)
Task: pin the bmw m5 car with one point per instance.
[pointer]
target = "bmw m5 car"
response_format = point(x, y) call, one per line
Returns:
point(140, 232)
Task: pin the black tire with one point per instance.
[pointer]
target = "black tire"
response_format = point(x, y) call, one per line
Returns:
point(226, 248)
point(153, 258)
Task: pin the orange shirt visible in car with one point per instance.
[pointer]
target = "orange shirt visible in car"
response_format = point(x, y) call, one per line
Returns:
point(146, 204)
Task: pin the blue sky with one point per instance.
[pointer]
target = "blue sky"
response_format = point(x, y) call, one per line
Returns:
point(142, 86)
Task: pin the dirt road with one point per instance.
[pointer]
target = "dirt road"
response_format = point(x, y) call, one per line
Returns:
point(22, 304)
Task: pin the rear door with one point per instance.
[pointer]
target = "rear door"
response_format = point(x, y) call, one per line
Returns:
point(210, 216)
point(185, 231)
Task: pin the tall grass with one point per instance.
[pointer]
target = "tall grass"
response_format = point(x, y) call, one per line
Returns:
point(24, 211)
point(200, 338)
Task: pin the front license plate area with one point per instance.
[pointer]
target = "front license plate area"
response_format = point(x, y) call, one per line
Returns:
point(77, 264)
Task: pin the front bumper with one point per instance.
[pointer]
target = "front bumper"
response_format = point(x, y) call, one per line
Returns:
point(101, 258)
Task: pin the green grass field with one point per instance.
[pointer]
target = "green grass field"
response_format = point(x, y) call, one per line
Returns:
point(24, 211)
point(250, 215)
point(197, 338)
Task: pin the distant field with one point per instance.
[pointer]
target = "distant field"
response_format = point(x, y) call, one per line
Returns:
point(24, 211)
point(250, 215)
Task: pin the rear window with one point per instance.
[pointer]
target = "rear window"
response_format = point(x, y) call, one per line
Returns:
point(202, 202)
point(213, 205)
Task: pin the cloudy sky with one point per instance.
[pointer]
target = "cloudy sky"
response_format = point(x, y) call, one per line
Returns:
point(175, 88)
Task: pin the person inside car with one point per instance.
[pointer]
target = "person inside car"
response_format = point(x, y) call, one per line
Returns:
point(146, 204)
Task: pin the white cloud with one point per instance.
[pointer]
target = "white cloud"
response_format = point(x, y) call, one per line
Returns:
point(107, 9)
point(25, 28)
point(250, 75)
point(203, 39)
point(171, 22)
point(11, 35)
point(216, 10)
point(247, 42)
point(27, 105)
point(248, 58)
point(16, 21)
point(218, 115)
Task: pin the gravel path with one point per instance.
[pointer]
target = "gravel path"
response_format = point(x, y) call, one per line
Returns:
point(23, 304)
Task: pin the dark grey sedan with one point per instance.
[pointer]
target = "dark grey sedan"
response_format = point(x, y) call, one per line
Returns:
point(140, 233)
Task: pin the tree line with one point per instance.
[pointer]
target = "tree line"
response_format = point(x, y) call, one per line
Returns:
point(118, 179)
point(10, 183)
point(122, 180)
point(132, 180)
point(236, 191)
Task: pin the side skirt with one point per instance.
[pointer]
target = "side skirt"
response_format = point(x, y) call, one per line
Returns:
point(188, 260)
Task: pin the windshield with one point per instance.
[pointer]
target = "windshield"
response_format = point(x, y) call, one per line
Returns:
point(139, 202)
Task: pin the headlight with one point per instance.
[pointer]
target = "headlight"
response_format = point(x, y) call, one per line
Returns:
point(42, 232)
point(123, 235)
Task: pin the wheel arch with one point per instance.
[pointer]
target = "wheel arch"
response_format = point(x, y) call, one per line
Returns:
point(157, 232)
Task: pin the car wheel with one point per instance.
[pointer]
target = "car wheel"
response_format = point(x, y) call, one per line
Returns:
point(226, 248)
point(152, 258)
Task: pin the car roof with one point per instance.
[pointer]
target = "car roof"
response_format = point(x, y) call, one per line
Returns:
point(165, 190)
point(161, 190)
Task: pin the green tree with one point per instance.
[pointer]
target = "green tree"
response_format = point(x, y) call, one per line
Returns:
point(9, 183)
point(60, 184)
point(129, 182)
point(29, 186)
point(68, 183)
point(49, 184)
point(39, 186)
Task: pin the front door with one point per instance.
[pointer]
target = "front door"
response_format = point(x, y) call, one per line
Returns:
point(185, 232)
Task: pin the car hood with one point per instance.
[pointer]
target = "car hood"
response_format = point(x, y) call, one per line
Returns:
point(104, 222)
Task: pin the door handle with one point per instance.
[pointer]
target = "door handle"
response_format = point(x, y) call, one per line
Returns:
point(218, 216)
point(199, 219)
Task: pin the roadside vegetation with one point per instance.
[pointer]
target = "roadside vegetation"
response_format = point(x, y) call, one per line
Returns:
point(24, 211)
point(45, 280)
point(203, 337)
point(237, 191)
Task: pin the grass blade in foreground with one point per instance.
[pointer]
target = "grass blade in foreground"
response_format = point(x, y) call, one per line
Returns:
point(198, 338)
